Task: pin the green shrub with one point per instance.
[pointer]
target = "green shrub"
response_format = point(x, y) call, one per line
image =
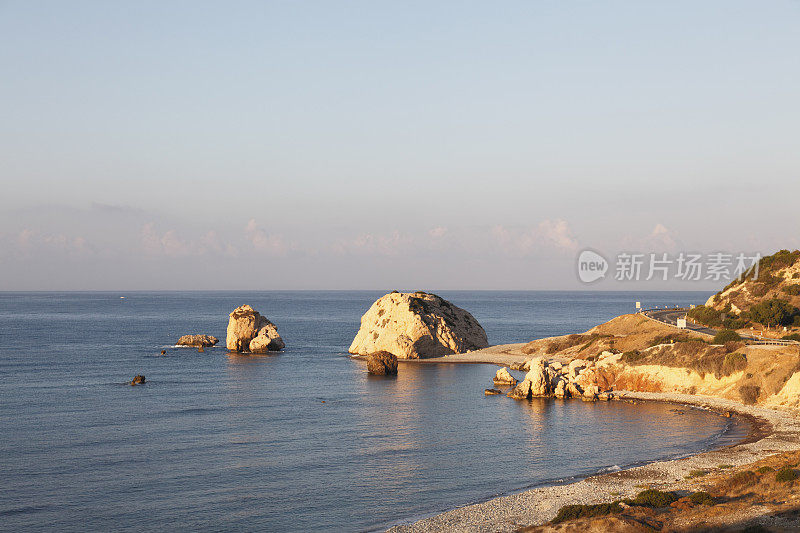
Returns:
point(758, 290)
point(774, 312)
point(765, 469)
point(571, 512)
point(705, 315)
point(726, 335)
point(786, 475)
point(734, 323)
point(697, 473)
point(702, 498)
point(654, 498)
point(792, 290)
point(743, 479)
point(749, 394)
point(792, 336)
point(632, 356)
point(734, 362)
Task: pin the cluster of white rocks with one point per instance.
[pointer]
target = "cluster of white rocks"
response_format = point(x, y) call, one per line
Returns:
point(552, 378)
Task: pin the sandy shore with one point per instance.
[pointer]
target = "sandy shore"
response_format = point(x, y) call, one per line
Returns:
point(773, 431)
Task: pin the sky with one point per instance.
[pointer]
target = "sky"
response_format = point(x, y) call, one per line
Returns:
point(390, 145)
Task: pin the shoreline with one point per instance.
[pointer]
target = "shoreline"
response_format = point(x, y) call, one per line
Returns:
point(772, 431)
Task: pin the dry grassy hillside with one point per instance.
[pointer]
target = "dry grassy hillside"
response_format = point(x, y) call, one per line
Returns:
point(778, 277)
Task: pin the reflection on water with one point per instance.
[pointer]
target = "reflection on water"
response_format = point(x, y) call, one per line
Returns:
point(292, 442)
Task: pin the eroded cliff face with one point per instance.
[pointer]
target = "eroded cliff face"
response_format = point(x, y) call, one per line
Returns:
point(414, 325)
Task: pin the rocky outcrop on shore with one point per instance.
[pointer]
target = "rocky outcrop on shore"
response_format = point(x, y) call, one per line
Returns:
point(416, 325)
point(553, 379)
point(197, 340)
point(249, 331)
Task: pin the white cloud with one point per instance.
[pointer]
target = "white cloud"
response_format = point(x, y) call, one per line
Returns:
point(393, 244)
point(265, 242)
point(548, 235)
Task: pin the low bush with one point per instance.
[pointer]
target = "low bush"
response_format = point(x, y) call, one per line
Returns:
point(654, 498)
point(734, 323)
point(571, 512)
point(792, 337)
point(569, 341)
point(718, 363)
point(673, 339)
point(705, 315)
point(732, 346)
point(734, 362)
point(765, 469)
point(702, 498)
point(697, 473)
point(743, 479)
point(792, 290)
point(726, 335)
point(632, 356)
point(749, 394)
point(786, 475)
point(759, 290)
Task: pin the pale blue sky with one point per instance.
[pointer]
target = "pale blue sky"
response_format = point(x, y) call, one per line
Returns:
point(269, 145)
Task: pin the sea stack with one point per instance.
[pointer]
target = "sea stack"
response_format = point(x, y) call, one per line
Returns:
point(248, 331)
point(415, 325)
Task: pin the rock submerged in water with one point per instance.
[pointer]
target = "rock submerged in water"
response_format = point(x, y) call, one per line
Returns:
point(138, 380)
point(415, 325)
point(248, 331)
point(382, 364)
point(492, 392)
point(197, 340)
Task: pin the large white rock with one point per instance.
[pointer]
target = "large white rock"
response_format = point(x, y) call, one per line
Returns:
point(248, 331)
point(414, 325)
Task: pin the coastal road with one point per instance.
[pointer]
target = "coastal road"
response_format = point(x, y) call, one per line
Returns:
point(671, 316)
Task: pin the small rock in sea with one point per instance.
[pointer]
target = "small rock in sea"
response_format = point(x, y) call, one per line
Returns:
point(200, 349)
point(163, 352)
point(504, 377)
point(138, 380)
point(728, 414)
point(382, 364)
point(491, 392)
point(197, 340)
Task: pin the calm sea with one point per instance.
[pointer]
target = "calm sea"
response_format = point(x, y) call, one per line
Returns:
point(295, 441)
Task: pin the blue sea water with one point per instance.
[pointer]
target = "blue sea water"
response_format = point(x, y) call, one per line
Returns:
point(296, 441)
